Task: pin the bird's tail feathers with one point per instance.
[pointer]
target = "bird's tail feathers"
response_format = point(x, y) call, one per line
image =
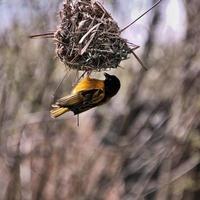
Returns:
point(57, 111)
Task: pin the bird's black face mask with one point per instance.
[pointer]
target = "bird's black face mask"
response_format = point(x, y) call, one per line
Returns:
point(112, 85)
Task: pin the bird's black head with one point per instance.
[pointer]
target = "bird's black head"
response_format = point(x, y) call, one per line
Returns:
point(112, 85)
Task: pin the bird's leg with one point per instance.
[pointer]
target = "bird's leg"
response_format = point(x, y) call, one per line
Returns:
point(79, 78)
point(88, 72)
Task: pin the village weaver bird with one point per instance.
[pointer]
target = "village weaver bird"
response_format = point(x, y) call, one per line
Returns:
point(88, 93)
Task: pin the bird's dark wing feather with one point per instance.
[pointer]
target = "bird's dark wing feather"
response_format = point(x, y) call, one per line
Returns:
point(82, 101)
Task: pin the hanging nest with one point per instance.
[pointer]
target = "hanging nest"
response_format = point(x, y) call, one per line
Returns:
point(88, 38)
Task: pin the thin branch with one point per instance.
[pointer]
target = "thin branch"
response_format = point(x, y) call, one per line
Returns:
point(139, 60)
point(56, 90)
point(140, 16)
point(48, 34)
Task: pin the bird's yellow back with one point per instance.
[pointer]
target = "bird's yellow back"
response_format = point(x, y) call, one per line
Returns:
point(88, 84)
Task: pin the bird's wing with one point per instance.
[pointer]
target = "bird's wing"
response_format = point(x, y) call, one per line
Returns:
point(82, 98)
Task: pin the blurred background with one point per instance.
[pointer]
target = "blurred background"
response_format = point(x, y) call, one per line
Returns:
point(143, 144)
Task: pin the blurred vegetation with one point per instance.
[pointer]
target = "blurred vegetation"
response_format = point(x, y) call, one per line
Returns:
point(144, 144)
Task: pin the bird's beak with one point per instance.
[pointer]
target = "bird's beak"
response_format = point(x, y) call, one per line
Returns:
point(106, 75)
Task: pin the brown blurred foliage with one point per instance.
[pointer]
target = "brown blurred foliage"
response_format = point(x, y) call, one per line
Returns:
point(144, 144)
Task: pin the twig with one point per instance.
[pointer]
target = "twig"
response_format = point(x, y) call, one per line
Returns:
point(139, 60)
point(140, 17)
point(50, 34)
point(54, 95)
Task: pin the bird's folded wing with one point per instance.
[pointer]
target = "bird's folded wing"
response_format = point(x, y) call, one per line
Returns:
point(92, 96)
point(69, 100)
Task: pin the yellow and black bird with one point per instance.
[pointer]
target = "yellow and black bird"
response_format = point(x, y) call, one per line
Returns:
point(87, 94)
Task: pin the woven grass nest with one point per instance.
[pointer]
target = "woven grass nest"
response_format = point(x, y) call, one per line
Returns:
point(88, 38)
